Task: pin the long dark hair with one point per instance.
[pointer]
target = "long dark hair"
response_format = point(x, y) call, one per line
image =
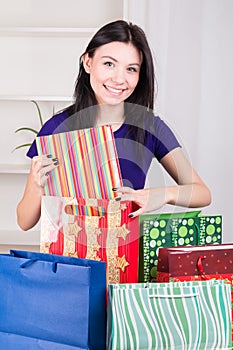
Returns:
point(143, 95)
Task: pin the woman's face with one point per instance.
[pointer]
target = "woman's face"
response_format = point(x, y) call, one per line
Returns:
point(114, 71)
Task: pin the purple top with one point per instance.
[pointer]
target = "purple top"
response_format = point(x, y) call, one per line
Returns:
point(133, 167)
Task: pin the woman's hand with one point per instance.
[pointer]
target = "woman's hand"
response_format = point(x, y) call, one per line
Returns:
point(31, 201)
point(189, 190)
point(41, 168)
point(148, 199)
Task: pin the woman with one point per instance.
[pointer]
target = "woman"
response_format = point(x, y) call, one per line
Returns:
point(115, 85)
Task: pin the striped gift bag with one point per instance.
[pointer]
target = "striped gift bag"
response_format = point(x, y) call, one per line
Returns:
point(169, 316)
point(89, 166)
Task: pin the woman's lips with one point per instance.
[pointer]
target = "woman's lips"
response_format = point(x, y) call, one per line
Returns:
point(114, 90)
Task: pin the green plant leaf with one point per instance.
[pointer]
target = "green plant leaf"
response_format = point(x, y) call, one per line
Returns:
point(39, 112)
point(27, 129)
point(21, 146)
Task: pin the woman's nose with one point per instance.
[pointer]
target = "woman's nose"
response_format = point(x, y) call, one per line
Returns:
point(119, 76)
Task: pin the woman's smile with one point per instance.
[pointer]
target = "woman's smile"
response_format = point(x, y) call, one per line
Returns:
point(114, 90)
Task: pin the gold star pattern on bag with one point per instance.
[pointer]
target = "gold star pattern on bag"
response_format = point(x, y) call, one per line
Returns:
point(98, 231)
point(122, 263)
point(45, 247)
point(123, 206)
point(74, 229)
point(93, 255)
point(96, 247)
point(122, 232)
point(73, 255)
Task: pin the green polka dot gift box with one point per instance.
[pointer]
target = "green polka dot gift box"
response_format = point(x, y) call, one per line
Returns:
point(176, 229)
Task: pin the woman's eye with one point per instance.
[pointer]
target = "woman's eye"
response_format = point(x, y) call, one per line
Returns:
point(108, 64)
point(132, 69)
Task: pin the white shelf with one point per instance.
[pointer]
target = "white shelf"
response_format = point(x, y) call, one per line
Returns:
point(36, 98)
point(18, 237)
point(14, 168)
point(51, 31)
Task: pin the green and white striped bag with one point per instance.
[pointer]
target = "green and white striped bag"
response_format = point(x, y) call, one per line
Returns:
point(165, 316)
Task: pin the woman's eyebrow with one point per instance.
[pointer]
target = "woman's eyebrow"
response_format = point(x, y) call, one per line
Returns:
point(113, 59)
point(110, 57)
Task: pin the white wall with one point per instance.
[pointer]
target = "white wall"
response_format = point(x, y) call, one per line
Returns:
point(192, 43)
point(39, 63)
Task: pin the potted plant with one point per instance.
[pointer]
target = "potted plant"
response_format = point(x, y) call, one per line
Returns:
point(26, 128)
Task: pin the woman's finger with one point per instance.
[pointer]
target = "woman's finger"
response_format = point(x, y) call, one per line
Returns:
point(40, 162)
point(43, 179)
point(124, 189)
point(125, 197)
point(138, 212)
point(47, 169)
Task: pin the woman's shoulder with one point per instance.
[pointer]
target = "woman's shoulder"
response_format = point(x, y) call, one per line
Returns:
point(57, 123)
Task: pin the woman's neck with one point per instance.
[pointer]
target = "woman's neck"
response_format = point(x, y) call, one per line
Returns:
point(111, 115)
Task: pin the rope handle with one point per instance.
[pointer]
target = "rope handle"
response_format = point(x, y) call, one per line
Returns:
point(181, 295)
point(173, 292)
point(33, 260)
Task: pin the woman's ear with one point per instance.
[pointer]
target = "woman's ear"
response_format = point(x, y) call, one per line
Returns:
point(86, 63)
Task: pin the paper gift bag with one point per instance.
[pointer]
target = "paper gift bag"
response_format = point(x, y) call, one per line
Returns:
point(88, 163)
point(93, 229)
point(183, 315)
point(83, 219)
point(177, 229)
point(51, 302)
point(196, 263)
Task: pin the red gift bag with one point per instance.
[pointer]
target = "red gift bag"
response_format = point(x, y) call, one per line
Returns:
point(196, 263)
point(96, 229)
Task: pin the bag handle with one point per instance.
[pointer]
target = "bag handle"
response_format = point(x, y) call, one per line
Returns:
point(200, 267)
point(84, 210)
point(178, 295)
point(33, 260)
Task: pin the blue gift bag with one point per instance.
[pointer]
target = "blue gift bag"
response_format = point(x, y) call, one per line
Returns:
point(50, 302)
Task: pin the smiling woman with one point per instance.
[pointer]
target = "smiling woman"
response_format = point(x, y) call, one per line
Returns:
point(114, 71)
point(115, 85)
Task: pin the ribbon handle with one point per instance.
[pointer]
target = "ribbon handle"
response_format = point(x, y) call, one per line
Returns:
point(84, 210)
point(200, 267)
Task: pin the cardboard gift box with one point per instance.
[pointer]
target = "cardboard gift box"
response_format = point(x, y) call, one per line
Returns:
point(176, 229)
point(79, 215)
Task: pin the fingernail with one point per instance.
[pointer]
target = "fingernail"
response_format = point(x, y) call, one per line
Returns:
point(56, 163)
point(46, 174)
point(117, 199)
point(114, 189)
point(49, 155)
point(55, 159)
point(130, 215)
